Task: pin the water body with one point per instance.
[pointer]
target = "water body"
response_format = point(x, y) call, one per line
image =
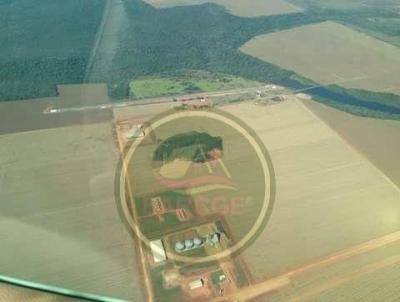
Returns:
point(340, 98)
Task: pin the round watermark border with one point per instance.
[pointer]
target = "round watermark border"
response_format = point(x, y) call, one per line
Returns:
point(127, 212)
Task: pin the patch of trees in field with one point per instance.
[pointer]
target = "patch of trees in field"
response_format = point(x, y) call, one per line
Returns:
point(193, 146)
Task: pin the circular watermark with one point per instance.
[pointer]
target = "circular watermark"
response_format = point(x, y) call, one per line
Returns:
point(195, 185)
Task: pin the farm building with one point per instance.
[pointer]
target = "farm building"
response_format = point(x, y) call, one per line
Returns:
point(158, 251)
point(196, 284)
point(135, 132)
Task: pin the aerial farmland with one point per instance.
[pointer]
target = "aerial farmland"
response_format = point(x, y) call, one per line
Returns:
point(329, 197)
point(334, 210)
point(200, 150)
point(60, 214)
point(242, 8)
point(330, 53)
point(348, 280)
point(376, 139)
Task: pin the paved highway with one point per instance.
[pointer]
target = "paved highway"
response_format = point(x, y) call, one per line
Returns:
point(166, 99)
point(193, 97)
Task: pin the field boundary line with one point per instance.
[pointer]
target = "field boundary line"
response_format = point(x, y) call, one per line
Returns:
point(354, 274)
point(351, 146)
point(348, 253)
point(285, 279)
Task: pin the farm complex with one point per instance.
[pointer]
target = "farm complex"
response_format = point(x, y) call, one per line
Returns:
point(181, 196)
point(200, 150)
point(334, 210)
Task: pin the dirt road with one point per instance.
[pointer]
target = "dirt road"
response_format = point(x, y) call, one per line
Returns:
point(286, 279)
point(336, 282)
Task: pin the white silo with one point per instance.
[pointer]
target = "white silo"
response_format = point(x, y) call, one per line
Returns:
point(179, 246)
point(188, 243)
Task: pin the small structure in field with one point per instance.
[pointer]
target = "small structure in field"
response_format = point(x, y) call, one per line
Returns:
point(182, 214)
point(135, 132)
point(273, 87)
point(195, 103)
point(304, 96)
point(158, 251)
point(198, 283)
point(158, 207)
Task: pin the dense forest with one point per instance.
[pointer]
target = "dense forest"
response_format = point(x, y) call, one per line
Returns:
point(45, 43)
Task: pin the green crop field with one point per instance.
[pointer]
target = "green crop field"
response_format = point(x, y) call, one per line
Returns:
point(153, 226)
point(187, 82)
point(153, 87)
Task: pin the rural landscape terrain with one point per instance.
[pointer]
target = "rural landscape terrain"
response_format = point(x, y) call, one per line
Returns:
point(114, 42)
point(200, 150)
point(347, 50)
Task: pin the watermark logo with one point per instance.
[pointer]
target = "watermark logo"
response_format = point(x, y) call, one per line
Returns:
point(199, 181)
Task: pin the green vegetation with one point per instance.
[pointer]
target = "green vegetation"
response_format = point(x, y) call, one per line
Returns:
point(216, 275)
point(357, 110)
point(152, 87)
point(203, 37)
point(195, 253)
point(389, 99)
point(379, 19)
point(49, 43)
point(151, 225)
point(186, 82)
point(194, 146)
point(187, 269)
point(162, 294)
point(45, 43)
